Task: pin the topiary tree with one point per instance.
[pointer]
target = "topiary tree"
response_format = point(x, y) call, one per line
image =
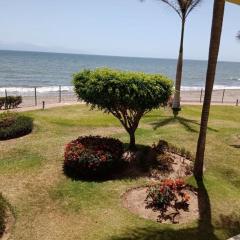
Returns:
point(127, 95)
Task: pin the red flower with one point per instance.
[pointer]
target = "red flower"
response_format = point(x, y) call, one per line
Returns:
point(179, 182)
point(186, 197)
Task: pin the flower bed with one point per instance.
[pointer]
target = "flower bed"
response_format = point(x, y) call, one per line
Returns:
point(13, 125)
point(92, 157)
point(170, 201)
point(169, 194)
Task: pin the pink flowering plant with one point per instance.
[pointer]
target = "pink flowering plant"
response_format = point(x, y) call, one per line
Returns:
point(92, 156)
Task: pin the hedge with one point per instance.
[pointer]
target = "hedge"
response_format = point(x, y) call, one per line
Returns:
point(92, 157)
point(13, 125)
point(10, 102)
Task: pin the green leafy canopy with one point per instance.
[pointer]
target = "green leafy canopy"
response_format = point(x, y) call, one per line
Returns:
point(127, 95)
point(109, 89)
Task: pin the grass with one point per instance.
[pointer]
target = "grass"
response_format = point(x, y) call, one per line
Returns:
point(50, 206)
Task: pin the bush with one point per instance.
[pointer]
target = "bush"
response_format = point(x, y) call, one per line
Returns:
point(13, 125)
point(169, 194)
point(163, 147)
point(126, 95)
point(92, 157)
point(2, 214)
point(2, 103)
point(10, 102)
point(164, 162)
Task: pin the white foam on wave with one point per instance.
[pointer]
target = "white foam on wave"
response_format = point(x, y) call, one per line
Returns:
point(16, 89)
point(221, 87)
point(54, 89)
point(186, 88)
point(216, 87)
point(235, 79)
point(26, 90)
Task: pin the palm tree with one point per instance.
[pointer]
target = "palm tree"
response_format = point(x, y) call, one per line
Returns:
point(217, 22)
point(183, 8)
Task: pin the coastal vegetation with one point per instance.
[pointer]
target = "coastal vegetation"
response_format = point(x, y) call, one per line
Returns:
point(10, 102)
point(13, 125)
point(50, 205)
point(128, 96)
point(101, 185)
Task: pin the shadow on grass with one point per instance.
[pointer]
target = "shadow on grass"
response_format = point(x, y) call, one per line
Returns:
point(235, 146)
point(205, 227)
point(186, 123)
point(229, 223)
point(204, 231)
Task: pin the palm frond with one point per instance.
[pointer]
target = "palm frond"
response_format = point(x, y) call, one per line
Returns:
point(182, 7)
point(173, 5)
point(193, 5)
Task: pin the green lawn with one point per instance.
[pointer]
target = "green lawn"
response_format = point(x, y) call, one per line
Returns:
point(50, 206)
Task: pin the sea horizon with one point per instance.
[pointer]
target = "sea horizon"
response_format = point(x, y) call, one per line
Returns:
point(21, 71)
point(108, 55)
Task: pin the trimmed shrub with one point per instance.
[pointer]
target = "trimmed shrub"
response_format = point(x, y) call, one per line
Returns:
point(92, 157)
point(10, 102)
point(126, 95)
point(2, 214)
point(163, 147)
point(13, 125)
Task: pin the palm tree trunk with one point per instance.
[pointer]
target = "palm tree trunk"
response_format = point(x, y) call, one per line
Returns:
point(217, 22)
point(176, 101)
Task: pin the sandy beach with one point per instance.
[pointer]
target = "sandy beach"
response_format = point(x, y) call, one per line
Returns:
point(219, 97)
point(51, 99)
point(228, 96)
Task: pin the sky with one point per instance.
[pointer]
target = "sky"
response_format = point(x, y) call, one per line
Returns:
point(114, 27)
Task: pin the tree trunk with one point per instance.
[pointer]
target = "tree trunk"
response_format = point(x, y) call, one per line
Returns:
point(218, 14)
point(132, 145)
point(176, 101)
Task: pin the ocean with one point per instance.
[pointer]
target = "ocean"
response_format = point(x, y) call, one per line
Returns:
point(20, 71)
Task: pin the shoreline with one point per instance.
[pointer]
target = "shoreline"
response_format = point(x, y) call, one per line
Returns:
point(219, 97)
point(55, 105)
point(46, 90)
